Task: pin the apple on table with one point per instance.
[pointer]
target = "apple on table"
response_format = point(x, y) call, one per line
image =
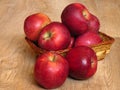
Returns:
point(82, 62)
point(51, 70)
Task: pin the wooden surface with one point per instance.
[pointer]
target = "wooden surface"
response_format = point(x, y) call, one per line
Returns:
point(17, 58)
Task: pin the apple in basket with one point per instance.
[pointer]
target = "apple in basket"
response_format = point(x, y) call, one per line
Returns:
point(88, 39)
point(33, 25)
point(54, 36)
point(79, 20)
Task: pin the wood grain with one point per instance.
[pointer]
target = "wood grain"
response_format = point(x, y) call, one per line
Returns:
point(17, 58)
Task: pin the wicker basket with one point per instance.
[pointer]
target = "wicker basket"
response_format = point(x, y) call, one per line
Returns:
point(101, 49)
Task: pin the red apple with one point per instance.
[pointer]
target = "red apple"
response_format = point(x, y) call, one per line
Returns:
point(33, 25)
point(94, 24)
point(82, 62)
point(75, 16)
point(71, 44)
point(88, 39)
point(78, 19)
point(51, 70)
point(54, 36)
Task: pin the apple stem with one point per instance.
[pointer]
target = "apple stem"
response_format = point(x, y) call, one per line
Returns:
point(85, 14)
point(52, 58)
point(47, 35)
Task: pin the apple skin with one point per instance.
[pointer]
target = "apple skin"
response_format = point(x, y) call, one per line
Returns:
point(51, 70)
point(82, 62)
point(71, 44)
point(33, 25)
point(55, 36)
point(88, 39)
point(94, 24)
point(75, 16)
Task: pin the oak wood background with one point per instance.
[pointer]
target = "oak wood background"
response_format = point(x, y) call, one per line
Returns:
point(17, 58)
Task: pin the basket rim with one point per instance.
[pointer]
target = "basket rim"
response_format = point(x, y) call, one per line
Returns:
point(110, 41)
point(40, 50)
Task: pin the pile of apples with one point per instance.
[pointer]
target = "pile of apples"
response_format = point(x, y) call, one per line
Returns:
point(77, 31)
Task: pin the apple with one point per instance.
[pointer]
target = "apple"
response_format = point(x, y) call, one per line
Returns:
point(82, 62)
point(78, 19)
point(55, 36)
point(75, 16)
point(71, 44)
point(33, 25)
point(88, 39)
point(94, 24)
point(51, 70)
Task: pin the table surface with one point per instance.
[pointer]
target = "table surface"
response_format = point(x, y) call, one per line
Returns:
point(17, 59)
